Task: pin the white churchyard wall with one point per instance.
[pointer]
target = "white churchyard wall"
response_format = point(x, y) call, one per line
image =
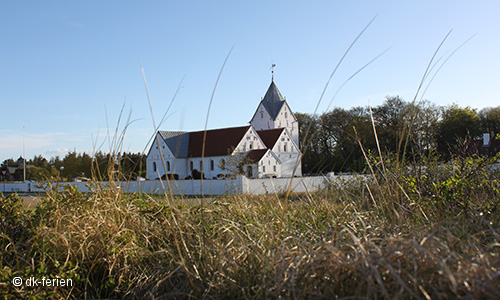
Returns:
point(240, 185)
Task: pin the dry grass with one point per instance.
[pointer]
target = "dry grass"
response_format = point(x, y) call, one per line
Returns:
point(352, 242)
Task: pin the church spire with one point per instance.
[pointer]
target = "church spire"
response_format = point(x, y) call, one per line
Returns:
point(273, 100)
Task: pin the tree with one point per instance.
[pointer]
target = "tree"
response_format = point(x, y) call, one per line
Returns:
point(489, 119)
point(132, 165)
point(392, 120)
point(456, 124)
point(8, 162)
point(341, 130)
point(332, 140)
point(37, 173)
point(39, 161)
point(309, 135)
point(234, 163)
point(425, 128)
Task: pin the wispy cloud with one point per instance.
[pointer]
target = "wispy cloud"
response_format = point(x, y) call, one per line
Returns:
point(61, 152)
point(11, 145)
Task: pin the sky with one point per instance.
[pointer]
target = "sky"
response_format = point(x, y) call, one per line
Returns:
point(71, 70)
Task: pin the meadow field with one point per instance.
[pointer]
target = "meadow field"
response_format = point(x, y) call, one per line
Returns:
point(419, 233)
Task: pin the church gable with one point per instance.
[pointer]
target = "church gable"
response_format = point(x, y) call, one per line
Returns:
point(274, 112)
point(285, 143)
point(159, 147)
point(271, 104)
point(177, 142)
point(287, 113)
point(266, 163)
point(251, 141)
point(261, 118)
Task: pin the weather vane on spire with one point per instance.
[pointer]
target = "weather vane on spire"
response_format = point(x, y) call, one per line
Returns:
point(272, 71)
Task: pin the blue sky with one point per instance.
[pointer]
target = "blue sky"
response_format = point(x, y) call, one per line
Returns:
point(68, 67)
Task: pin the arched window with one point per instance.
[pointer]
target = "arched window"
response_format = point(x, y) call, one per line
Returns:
point(154, 166)
point(168, 166)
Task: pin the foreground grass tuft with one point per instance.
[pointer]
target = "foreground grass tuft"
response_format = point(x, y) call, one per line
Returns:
point(411, 235)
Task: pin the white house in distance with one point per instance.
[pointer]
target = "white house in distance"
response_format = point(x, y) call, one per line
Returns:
point(268, 147)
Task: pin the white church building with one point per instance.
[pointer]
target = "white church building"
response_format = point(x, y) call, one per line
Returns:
point(268, 147)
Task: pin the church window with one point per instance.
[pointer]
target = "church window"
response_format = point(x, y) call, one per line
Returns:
point(264, 169)
point(251, 145)
point(201, 165)
point(212, 165)
point(261, 114)
point(274, 168)
point(284, 147)
point(191, 166)
point(168, 166)
point(154, 166)
point(286, 115)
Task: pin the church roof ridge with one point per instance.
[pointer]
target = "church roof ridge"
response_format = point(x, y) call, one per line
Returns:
point(166, 134)
point(221, 129)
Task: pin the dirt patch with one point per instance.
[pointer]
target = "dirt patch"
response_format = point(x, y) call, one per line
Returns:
point(30, 201)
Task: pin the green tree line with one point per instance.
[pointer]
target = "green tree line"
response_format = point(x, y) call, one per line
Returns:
point(339, 140)
point(100, 166)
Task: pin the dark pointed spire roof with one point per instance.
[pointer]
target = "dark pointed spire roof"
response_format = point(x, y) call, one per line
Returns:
point(273, 100)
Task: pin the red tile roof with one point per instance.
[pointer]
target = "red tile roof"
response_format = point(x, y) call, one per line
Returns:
point(270, 137)
point(219, 142)
point(256, 155)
